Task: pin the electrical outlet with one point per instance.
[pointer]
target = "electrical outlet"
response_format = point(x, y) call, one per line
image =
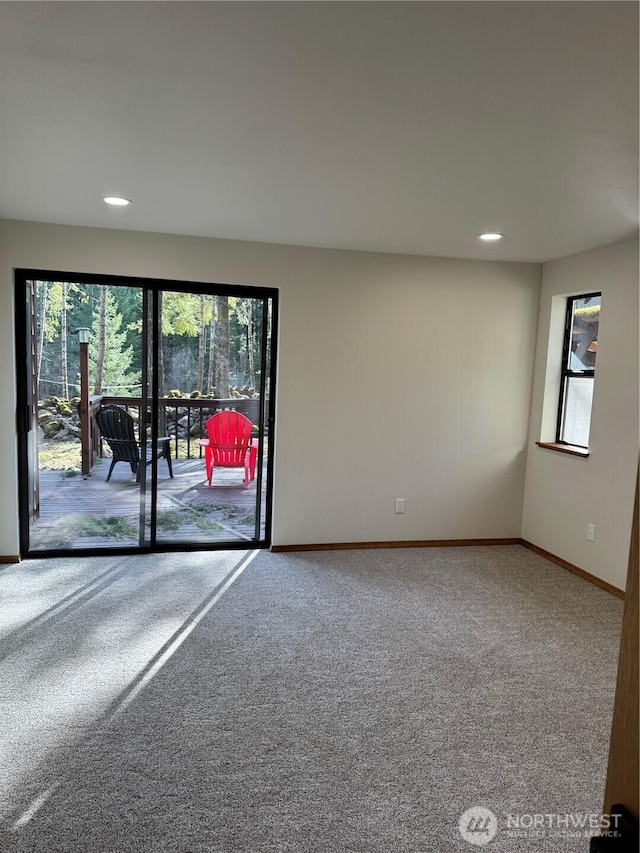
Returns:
point(591, 532)
point(399, 505)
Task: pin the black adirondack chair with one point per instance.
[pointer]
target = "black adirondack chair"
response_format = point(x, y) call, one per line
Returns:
point(117, 428)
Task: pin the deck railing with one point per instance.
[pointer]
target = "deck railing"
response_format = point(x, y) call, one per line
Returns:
point(94, 433)
point(89, 433)
point(183, 418)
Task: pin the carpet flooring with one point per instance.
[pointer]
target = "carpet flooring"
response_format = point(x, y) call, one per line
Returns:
point(329, 701)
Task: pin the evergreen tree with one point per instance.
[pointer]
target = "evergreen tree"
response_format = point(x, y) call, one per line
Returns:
point(116, 378)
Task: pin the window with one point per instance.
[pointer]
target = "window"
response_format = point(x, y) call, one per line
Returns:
point(578, 369)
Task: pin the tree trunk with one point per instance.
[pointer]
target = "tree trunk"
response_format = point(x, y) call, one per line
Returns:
point(63, 342)
point(102, 338)
point(160, 348)
point(201, 344)
point(222, 346)
point(210, 373)
point(43, 322)
point(162, 412)
point(250, 343)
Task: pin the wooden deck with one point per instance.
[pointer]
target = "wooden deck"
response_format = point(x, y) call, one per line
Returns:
point(91, 513)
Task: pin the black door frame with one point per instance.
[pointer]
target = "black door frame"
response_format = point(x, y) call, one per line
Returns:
point(24, 408)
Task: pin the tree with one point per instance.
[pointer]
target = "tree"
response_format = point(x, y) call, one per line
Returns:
point(100, 331)
point(108, 349)
point(244, 314)
point(63, 341)
point(222, 346)
point(210, 371)
point(42, 287)
point(49, 294)
point(178, 317)
point(185, 317)
point(201, 345)
point(161, 390)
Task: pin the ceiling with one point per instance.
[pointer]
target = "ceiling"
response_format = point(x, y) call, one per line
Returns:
point(395, 127)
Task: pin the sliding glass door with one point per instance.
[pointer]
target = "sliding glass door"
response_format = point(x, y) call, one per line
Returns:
point(146, 413)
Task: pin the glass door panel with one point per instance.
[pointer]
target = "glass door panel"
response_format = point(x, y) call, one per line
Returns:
point(85, 347)
point(210, 360)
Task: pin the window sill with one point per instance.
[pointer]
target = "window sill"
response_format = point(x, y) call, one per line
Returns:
point(564, 448)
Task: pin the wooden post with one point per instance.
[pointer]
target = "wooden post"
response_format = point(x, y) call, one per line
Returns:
point(622, 774)
point(85, 428)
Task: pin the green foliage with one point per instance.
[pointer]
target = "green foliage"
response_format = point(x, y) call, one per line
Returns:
point(117, 378)
point(202, 515)
point(51, 295)
point(50, 292)
point(587, 312)
point(181, 313)
point(169, 520)
point(129, 302)
point(108, 526)
point(188, 338)
point(67, 530)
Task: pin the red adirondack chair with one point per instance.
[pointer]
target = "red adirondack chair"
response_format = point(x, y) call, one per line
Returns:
point(228, 444)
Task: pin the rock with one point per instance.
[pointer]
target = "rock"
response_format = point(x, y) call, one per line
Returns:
point(52, 427)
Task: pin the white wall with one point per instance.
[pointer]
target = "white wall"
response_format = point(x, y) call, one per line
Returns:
point(399, 376)
point(563, 493)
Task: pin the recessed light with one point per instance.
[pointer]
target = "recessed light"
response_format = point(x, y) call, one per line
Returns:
point(116, 201)
point(491, 236)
